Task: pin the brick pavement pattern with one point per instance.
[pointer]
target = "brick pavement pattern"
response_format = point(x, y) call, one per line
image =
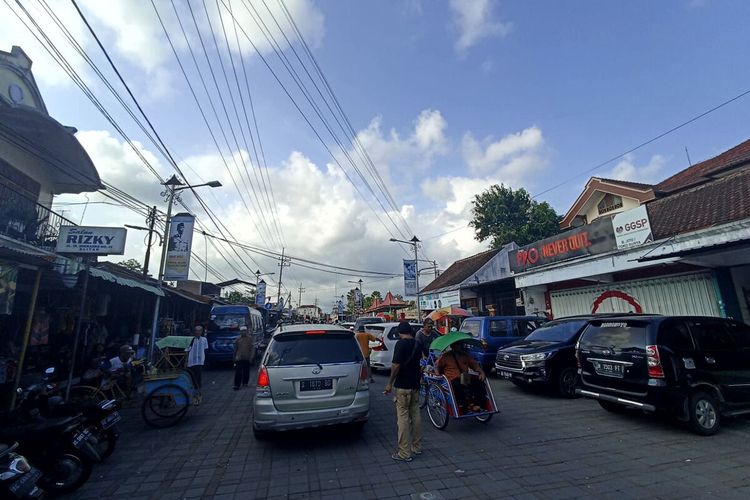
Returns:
point(538, 447)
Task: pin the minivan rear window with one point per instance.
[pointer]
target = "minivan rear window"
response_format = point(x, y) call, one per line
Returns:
point(472, 328)
point(557, 331)
point(621, 335)
point(287, 350)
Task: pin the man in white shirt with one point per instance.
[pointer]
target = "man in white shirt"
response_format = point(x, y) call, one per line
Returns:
point(196, 357)
point(121, 368)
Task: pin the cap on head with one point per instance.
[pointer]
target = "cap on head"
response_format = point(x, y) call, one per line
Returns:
point(404, 328)
point(126, 349)
point(428, 322)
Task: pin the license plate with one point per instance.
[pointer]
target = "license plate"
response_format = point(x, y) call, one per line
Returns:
point(609, 369)
point(80, 438)
point(505, 374)
point(111, 420)
point(25, 484)
point(316, 384)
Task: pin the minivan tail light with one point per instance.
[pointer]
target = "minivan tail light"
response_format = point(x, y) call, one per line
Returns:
point(263, 389)
point(655, 369)
point(381, 346)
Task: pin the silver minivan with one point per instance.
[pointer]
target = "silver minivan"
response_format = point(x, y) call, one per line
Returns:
point(311, 376)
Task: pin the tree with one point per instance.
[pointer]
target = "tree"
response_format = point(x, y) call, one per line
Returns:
point(235, 297)
point(370, 299)
point(131, 265)
point(503, 215)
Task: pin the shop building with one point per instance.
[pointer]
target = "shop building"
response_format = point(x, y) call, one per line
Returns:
point(681, 246)
point(481, 283)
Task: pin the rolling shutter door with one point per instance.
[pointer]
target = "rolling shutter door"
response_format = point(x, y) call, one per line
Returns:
point(692, 294)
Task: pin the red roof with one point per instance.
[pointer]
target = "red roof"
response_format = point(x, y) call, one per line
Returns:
point(703, 171)
point(389, 302)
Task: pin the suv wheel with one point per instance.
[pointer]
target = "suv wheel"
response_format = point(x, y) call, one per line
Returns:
point(566, 383)
point(704, 414)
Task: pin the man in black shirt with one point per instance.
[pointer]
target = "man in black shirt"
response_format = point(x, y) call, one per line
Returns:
point(405, 376)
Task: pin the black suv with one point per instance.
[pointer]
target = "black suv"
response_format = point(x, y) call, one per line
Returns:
point(544, 357)
point(696, 368)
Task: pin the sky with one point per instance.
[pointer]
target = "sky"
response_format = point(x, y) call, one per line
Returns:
point(446, 97)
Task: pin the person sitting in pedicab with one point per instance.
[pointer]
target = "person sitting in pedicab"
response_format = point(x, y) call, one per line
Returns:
point(469, 389)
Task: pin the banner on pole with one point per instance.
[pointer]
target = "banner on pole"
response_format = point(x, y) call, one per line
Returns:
point(8, 279)
point(357, 298)
point(260, 293)
point(410, 278)
point(178, 247)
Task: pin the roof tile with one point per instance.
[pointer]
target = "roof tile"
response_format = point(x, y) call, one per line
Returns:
point(700, 172)
point(460, 270)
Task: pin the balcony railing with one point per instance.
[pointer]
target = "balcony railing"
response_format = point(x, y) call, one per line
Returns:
point(28, 221)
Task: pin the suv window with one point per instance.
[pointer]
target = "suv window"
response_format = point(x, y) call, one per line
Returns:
point(712, 336)
point(472, 328)
point(740, 333)
point(499, 328)
point(676, 336)
point(623, 336)
point(522, 327)
point(286, 350)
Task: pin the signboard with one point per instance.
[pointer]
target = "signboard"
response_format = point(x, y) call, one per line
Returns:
point(410, 278)
point(632, 228)
point(432, 301)
point(591, 239)
point(260, 293)
point(8, 279)
point(91, 240)
point(357, 298)
point(177, 266)
point(340, 307)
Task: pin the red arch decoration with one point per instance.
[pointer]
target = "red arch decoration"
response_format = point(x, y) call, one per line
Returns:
point(616, 294)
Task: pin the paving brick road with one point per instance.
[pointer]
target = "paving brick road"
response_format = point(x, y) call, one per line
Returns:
point(538, 447)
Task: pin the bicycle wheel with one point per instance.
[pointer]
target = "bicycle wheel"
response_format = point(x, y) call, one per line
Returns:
point(437, 406)
point(87, 394)
point(165, 406)
point(422, 393)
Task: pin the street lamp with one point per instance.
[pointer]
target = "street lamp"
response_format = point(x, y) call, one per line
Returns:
point(413, 242)
point(173, 186)
point(358, 282)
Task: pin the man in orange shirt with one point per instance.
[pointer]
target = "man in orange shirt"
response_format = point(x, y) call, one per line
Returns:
point(455, 362)
point(364, 338)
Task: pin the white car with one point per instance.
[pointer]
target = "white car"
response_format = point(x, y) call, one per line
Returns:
point(382, 349)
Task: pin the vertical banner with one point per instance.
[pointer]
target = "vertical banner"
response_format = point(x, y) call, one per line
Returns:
point(410, 278)
point(340, 308)
point(178, 247)
point(8, 279)
point(260, 293)
point(357, 298)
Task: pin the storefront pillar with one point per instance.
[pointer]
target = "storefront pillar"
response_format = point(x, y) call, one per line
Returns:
point(81, 310)
point(26, 335)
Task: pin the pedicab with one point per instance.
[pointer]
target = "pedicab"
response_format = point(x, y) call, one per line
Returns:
point(436, 392)
point(169, 388)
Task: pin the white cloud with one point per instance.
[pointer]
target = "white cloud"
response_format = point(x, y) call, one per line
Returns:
point(475, 22)
point(488, 156)
point(627, 170)
point(250, 18)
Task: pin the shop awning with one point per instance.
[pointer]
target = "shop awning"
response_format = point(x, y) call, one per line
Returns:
point(725, 236)
point(200, 299)
point(22, 252)
point(105, 275)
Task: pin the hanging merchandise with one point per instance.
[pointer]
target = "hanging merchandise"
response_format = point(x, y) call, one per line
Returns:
point(8, 279)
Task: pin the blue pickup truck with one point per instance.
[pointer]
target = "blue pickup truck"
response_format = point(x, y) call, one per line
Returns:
point(495, 331)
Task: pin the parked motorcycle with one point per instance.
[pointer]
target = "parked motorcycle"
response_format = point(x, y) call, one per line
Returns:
point(17, 477)
point(100, 418)
point(60, 447)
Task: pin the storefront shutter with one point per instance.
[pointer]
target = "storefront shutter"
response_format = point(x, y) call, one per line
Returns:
point(692, 294)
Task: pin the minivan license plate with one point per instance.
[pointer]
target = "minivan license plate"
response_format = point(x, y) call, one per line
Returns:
point(316, 384)
point(609, 369)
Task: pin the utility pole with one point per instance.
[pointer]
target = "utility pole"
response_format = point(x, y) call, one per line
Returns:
point(300, 289)
point(151, 220)
point(284, 262)
point(437, 273)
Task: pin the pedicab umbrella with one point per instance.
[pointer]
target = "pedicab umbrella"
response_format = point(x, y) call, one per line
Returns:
point(447, 340)
point(441, 313)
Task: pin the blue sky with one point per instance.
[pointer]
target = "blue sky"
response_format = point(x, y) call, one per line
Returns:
point(447, 96)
